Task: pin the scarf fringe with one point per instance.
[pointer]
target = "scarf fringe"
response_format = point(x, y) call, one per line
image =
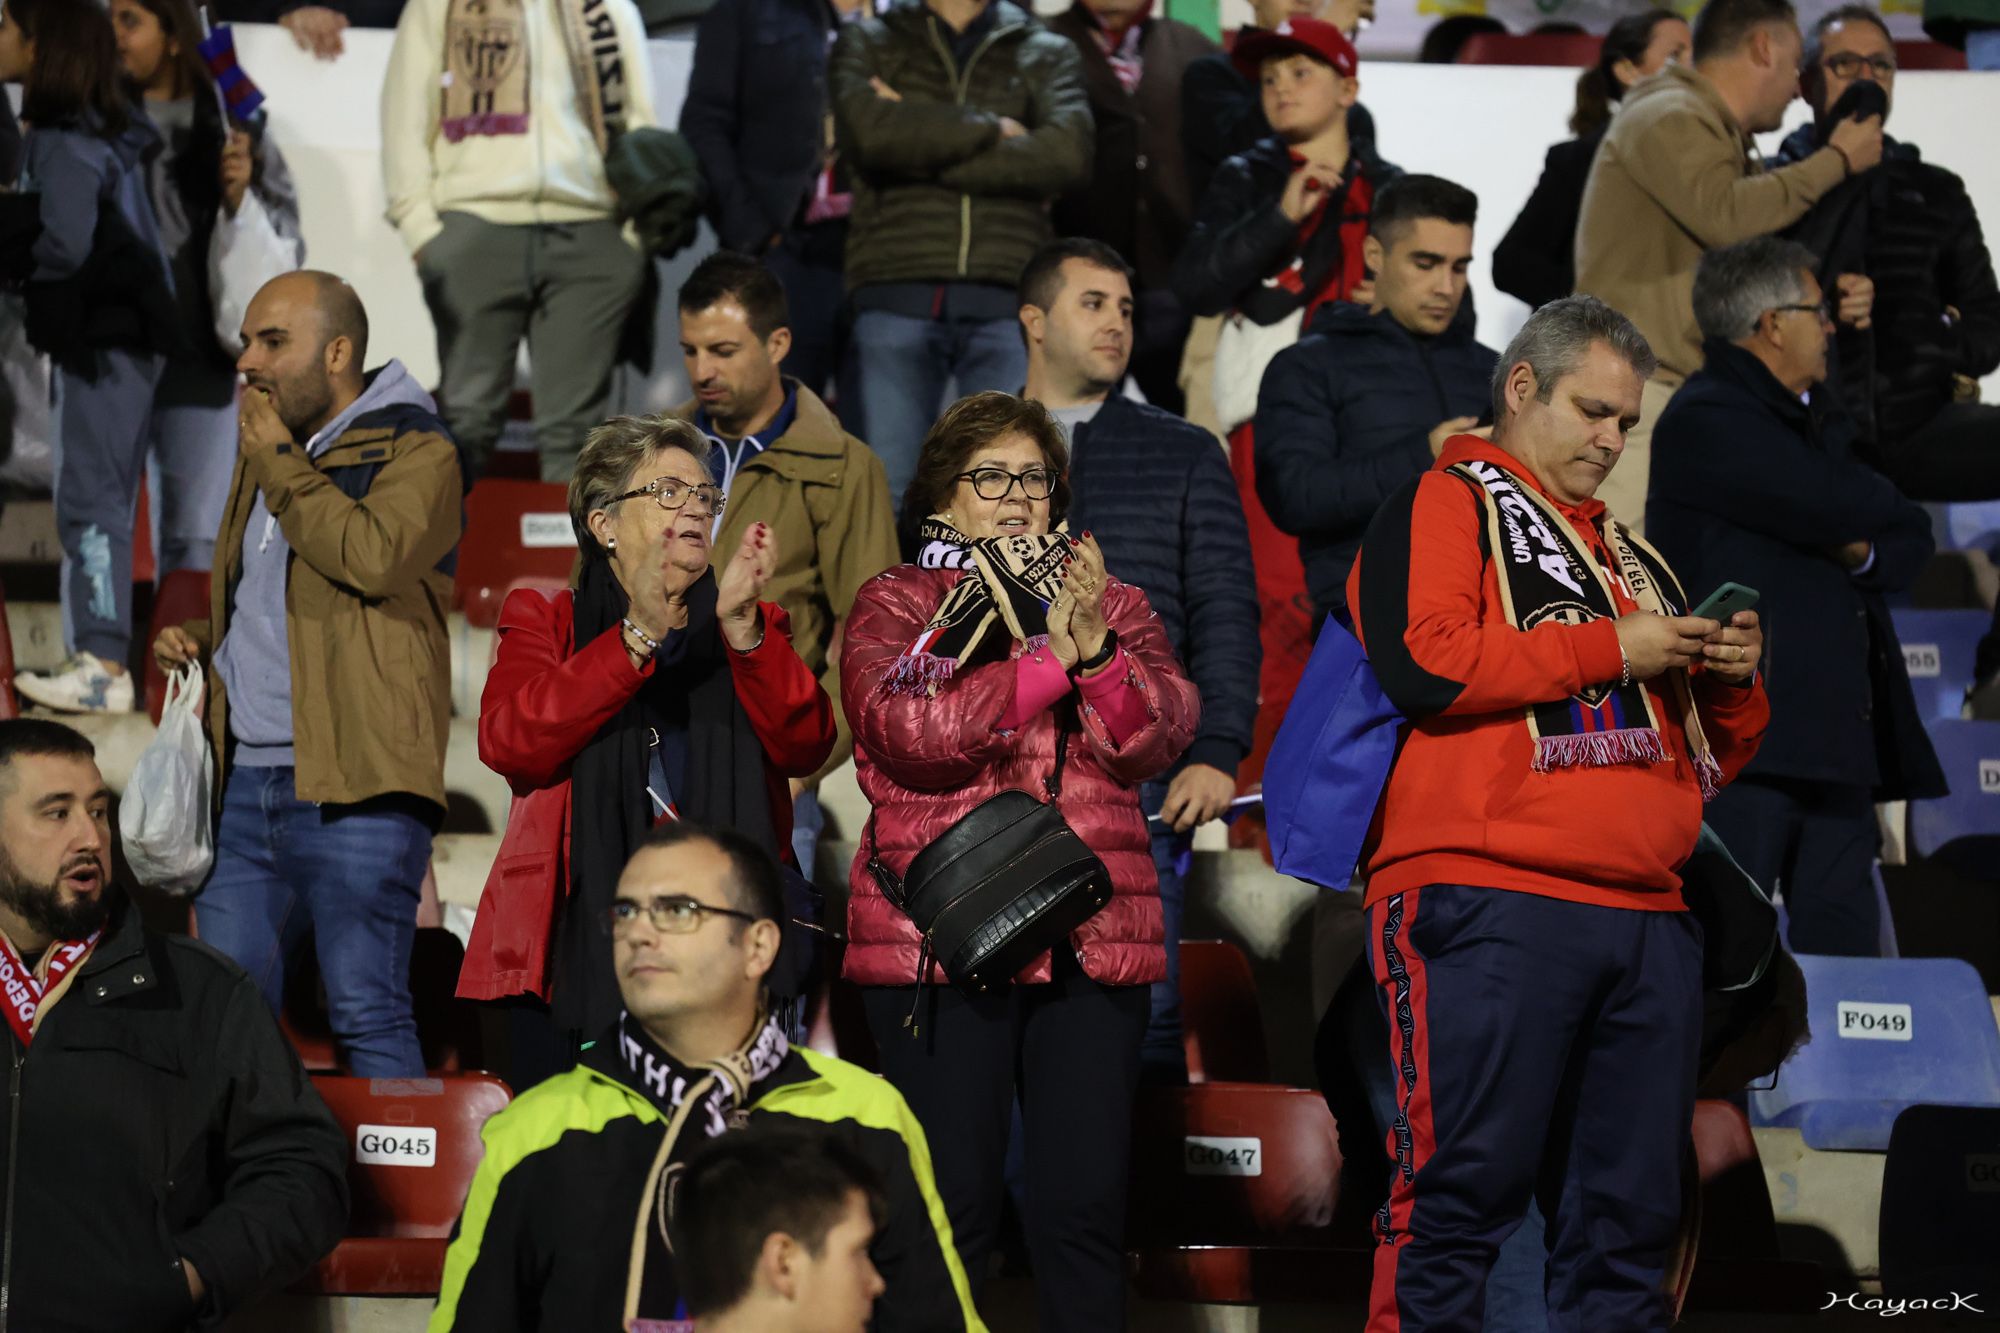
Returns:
point(1600, 749)
point(1709, 774)
point(919, 673)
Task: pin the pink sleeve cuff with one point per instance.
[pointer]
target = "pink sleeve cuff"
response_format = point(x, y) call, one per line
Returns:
point(1119, 704)
point(1039, 680)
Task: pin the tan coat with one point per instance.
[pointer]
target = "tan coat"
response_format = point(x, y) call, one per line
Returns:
point(826, 497)
point(365, 605)
point(1675, 177)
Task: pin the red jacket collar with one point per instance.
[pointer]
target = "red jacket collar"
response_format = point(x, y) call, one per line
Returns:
point(1467, 448)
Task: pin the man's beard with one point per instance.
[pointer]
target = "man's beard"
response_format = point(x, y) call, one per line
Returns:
point(42, 905)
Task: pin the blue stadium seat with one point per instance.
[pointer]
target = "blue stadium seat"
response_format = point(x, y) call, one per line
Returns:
point(1963, 828)
point(1938, 649)
point(1887, 1033)
point(1940, 1220)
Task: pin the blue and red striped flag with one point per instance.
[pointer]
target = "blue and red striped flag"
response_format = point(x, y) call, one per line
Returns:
point(240, 97)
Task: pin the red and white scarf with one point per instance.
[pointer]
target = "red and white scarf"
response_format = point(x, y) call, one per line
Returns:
point(25, 991)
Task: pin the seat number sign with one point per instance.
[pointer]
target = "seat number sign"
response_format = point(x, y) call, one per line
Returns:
point(395, 1145)
point(1223, 1157)
point(541, 532)
point(1864, 1021)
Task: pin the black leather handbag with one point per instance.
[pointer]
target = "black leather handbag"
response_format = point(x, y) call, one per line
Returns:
point(1006, 883)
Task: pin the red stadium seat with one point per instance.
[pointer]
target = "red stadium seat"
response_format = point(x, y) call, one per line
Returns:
point(422, 1139)
point(1919, 54)
point(1577, 49)
point(514, 530)
point(1736, 1264)
point(1221, 1026)
point(9, 705)
point(182, 596)
point(1233, 1194)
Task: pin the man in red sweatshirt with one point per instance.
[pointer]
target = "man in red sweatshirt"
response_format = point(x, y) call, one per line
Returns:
point(1539, 970)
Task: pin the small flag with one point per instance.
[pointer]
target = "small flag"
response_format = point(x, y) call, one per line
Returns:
point(240, 97)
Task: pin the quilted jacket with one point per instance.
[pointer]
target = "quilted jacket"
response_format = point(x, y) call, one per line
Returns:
point(939, 196)
point(1157, 494)
point(923, 762)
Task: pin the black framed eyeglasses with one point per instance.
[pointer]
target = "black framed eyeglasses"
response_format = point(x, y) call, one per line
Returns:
point(673, 493)
point(1824, 309)
point(992, 483)
point(677, 914)
point(1848, 65)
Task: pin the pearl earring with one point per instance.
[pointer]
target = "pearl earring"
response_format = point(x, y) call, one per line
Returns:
point(612, 544)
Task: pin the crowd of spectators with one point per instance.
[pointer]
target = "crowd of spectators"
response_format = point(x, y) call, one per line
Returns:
point(1058, 384)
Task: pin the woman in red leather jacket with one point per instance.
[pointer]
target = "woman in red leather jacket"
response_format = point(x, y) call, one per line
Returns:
point(651, 691)
point(956, 681)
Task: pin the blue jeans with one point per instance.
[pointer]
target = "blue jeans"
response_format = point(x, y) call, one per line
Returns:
point(350, 873)
point(1982, 48)
point(808, 822)
point(905, 365)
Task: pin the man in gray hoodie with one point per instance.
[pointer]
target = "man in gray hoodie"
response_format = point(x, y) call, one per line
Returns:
point(329, 683)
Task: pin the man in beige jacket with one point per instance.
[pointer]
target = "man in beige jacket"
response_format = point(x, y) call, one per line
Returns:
point(781, 458)
point(1678, 175)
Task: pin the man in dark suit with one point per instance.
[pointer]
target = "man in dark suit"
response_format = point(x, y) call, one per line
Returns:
point(1752, 484)
point(1138, 200)
point(1158, 495)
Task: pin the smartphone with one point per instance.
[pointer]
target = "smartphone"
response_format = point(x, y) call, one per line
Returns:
point(1726, 601)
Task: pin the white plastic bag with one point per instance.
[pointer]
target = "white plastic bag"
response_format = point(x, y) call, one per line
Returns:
point(165, 814)
point(244, 253)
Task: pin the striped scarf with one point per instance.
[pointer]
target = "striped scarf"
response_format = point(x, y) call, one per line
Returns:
point(1547, 573)
point(1006, 596)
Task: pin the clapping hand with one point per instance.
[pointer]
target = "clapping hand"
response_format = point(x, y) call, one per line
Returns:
point(743, 581)
point(1076, 617)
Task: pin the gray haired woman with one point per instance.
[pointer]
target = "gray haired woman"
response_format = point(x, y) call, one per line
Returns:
point(653, 690)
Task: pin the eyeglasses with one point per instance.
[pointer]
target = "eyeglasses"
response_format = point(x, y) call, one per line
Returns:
point(1847, 65)
point(673, 493)
point(677, 915)
point(992, 483)
point(1824, 309)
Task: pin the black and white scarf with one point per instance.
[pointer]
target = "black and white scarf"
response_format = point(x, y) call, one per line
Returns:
point(1006, 597)
point(1547, 573)
point(699, 1103)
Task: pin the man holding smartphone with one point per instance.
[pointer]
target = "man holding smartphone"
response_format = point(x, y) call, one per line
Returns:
point(1755, 482)
point(1531, 949)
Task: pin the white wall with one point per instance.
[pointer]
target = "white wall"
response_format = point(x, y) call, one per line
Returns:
point(1485, 127)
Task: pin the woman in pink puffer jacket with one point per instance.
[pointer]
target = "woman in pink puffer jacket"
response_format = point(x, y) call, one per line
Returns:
point(955, 695)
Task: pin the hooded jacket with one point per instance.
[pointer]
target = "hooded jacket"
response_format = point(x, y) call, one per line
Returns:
point(939, 196)
point(1911, 227)
point(99, 275)
point(1464, 804)
point(373, 520)
point(1674, 178)
point(1841, 706)
point(548, 170)
point(159, 1115)
point(545, 1239)
point(924, 761)
point(1344, 418)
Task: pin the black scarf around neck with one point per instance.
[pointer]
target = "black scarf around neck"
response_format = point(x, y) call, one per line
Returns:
point(690, 693)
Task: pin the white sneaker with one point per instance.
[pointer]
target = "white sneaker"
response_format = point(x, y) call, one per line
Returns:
point(80, 685)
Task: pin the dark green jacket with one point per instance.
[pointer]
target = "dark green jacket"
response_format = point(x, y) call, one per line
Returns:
point(1948, 20)
point(939, 196)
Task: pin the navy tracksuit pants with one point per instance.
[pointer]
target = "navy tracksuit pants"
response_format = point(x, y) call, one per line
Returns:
point(1543, 1049)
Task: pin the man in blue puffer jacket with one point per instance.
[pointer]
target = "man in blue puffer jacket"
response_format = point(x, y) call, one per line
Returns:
point(1157, 493)
point(1363, 403)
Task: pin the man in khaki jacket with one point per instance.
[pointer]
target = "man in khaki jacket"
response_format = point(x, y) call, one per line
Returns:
point(329, 691)
point(782, 458)
point(1677, 175)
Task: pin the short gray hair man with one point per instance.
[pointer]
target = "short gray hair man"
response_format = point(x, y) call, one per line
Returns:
point(1555, 341)
point(1735, 287)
